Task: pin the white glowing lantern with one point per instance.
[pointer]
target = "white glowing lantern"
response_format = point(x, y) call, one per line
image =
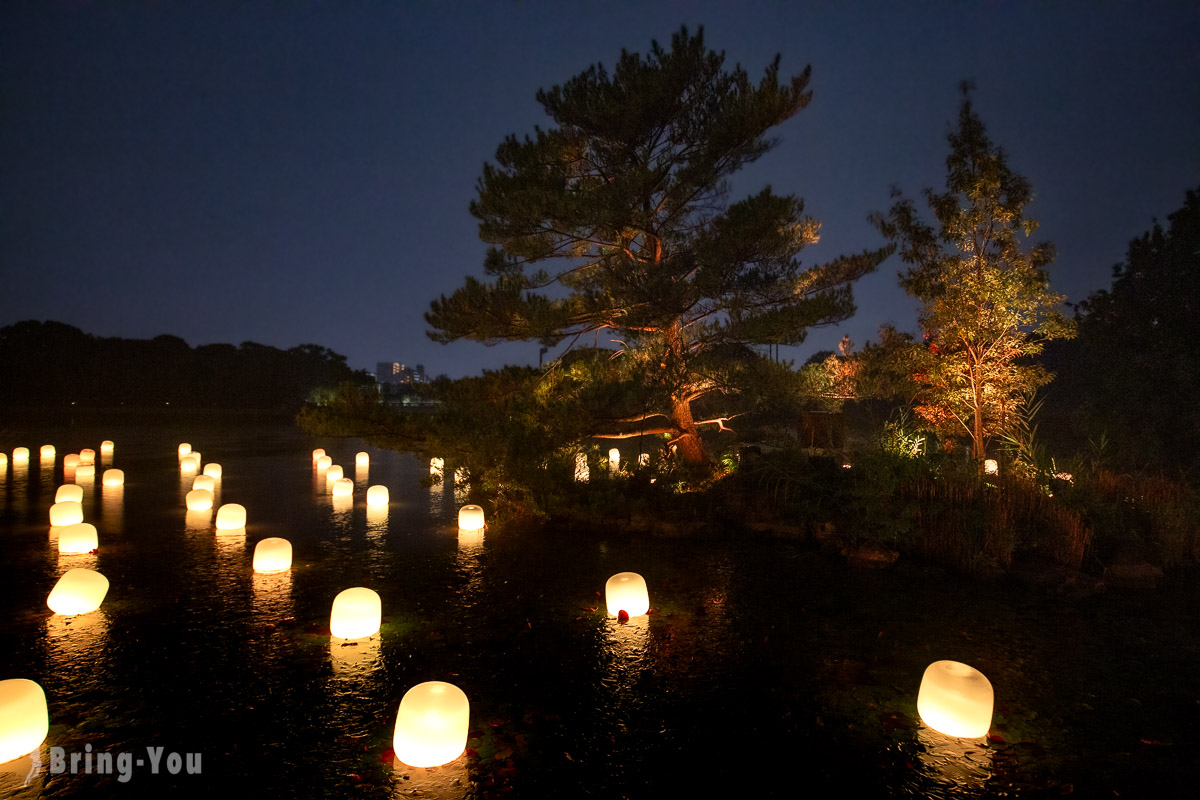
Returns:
point(343, 487)
point(106, 448)
point(47, 452)
point(581, 467)
point(362, 460)
point(377, 496)
point(272, 555)
point(955, 699)
point(356, 614)
point(470, 518)
point(231, 517)
point(184, 450)
point(69, 493)
point(432, 724)
point(20, 455)
point(990, 467)
point(78, 591)
point(78, 538)
point(113, 477)
point(320, 451)
point(87, 456)
point(205, 482)
point(334, 473)
point(213, 470)
point(199, 500)
point(626, 591)
point(324, 463)
point(190, 463)
point(24, 718)
point(71, 461)
point(85, 472)
point(614, 460)
point(437, 467)
point(3, 461)
point(67, 513)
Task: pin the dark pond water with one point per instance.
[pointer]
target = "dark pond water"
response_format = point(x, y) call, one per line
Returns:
point(765, 669)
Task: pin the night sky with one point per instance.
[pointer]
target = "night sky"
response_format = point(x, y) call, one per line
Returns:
point(300, 173)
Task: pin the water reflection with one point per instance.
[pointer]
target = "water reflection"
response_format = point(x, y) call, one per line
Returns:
point(342, 513)
point(112, 508)
point(272, 596)
point(74, 645)
point(377, 523)
point(231, 544)
point(79, 560)
point(25, 776)
point(360, 477)
point(358, 658)
point(20, 487)
point(447, 782)
point(957, 763)
point(198, 520)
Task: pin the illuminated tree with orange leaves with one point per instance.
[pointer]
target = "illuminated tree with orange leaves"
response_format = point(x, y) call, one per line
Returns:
point(987, 305)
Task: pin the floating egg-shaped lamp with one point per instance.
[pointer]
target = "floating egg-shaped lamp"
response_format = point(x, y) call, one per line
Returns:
point(377, 496)
point(356, 614)
point(470, 518)
point(230, 517)
point(85, 472)
point(24, 718)
point(69, 493)
point(343, 487)
point(432, 724)
point(67, 513)
point(320, 451)
point(324, 463)
point(77, 538)
point(213, 470)
point(955, 699)
point(614, 460)
point(272, 555)
point(106, 448)
point(78, 591)
point(205, 482)
point(199, 500)
point(113, 477)
point(189, 463)
point(47, 452)
point(20, 455)
point(184, 449)
point(626, 591)
point(87, 456)
point(334, 473)
point(362, 459)
point(3, 461)
point(990, 467)
point(71, 461)
point(437, 466)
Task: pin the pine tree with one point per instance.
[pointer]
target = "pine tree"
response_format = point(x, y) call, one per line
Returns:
point(626, 196)
point(986, 298)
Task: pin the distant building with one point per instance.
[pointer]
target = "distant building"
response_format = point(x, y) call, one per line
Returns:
point(393, 372)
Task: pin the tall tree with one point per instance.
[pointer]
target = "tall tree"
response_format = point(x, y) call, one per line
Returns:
point(987, 303)
point(626, 196)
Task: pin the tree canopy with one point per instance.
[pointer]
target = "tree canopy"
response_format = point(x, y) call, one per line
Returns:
point(625, 197)
point(986, 299)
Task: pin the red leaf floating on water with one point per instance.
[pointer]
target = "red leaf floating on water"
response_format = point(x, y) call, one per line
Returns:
point(993, 737)
point(387, 756)
point(622, 616)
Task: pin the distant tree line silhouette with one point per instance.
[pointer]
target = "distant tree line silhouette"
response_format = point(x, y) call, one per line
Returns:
point(53, 364)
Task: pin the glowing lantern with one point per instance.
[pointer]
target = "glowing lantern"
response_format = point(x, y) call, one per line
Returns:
point(47, 451)
point(614, 460)
point(231, 517)
point(213, 470)
point(87, 456)
point(955, 699)
point(432, 724)
point(78, 591)
point(106, 448)
point(199, 500)
point(377, 496)
point(332, 474)
point(24, 718)
point(343, 487)
point(3, 461)
point(205, 482)
point(190, 463)
point(320, 451)
point(626, 591)
point(990, 467)
point(20, 455)
point(67, 513)
point(272, 555)
point(581, 467)
point(356, 614)
point(437, 467)
point(470, 518)
point(113, 477)
point(77, 538)
point(71, 461)
point(362, 460)
point(184, 449)
point(85, 472)
point(69, 493)
point(324, 463)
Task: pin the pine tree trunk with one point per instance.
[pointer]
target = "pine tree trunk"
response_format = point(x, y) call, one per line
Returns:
point(689, 445)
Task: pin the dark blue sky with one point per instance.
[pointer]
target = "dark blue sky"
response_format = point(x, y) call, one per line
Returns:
point(292, 173)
